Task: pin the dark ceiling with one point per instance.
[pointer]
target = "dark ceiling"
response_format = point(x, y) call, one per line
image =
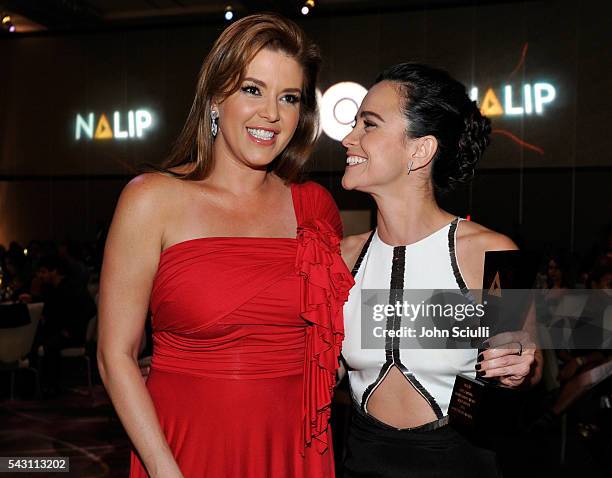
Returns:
point(62, 15)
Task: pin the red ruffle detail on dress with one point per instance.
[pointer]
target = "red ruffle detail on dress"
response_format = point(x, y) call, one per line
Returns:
point(325, 287)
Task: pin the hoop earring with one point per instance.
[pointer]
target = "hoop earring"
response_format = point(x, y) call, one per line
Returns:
point(410, 167)
point(214, 122)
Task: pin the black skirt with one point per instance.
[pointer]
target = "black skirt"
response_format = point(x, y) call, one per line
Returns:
point(377, 450)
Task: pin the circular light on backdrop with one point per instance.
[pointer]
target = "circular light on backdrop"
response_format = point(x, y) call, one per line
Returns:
point(229, 13)
point(344, 111)
point(319, 103)
point(339, 105)
point(305, 10)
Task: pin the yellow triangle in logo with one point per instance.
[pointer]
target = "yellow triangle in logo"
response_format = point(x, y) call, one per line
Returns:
point(491, 105)
point(495, 288)
point(103, 131)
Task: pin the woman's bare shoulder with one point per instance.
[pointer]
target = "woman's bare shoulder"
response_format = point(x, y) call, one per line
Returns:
point(478, 237)
point(147, 202)
point(473, 240)
point(149, 190)
point(351, 246)
point(356, 241)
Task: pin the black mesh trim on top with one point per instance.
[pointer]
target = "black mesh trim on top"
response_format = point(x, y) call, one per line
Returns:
point(392, 347)
point(452, 230)
point(362, 254)
point(370, 389)
point(421, 389)
point(393, 322)
point(397, 294)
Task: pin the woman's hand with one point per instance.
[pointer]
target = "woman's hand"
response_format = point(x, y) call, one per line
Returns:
point(509, 358)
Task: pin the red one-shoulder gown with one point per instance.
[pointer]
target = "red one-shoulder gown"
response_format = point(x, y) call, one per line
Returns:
point(246, 339)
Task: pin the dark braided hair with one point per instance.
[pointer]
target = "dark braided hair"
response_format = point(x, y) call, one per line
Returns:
point(436, 104)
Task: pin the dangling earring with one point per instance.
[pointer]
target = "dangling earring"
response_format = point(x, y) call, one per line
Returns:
point(214, 122)
point(410, 167)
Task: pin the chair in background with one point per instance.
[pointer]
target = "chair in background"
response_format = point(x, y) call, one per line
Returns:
point(84, 352)
point(16, 343)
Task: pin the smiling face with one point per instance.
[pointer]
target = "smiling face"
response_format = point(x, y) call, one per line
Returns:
point(377, 149)
point(257, 122)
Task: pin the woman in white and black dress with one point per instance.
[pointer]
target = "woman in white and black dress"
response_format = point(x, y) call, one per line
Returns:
point(417, 134)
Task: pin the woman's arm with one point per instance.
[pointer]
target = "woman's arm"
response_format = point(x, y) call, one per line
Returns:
point(502, 359)
point(131, 257)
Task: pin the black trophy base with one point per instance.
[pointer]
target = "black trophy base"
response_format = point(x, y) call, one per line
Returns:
point(485, 413)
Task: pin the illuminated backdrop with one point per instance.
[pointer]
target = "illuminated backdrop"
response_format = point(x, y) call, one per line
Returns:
point(94, 106)
point(531, 67)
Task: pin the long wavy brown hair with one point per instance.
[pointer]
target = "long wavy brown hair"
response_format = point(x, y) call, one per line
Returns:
point(221, 75)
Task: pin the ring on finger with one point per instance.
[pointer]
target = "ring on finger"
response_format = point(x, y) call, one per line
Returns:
point(520, 352)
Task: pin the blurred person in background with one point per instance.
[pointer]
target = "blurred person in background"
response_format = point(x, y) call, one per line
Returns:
point(73, 254)
point(67, 310)
point(15, 273)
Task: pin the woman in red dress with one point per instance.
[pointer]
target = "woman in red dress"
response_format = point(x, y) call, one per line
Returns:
point(240, 266)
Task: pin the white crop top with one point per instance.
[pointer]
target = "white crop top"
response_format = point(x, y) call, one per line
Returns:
point(427, 264)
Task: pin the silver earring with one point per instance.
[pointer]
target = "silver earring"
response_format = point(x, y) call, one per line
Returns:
point(214, 122)
point(410, 167)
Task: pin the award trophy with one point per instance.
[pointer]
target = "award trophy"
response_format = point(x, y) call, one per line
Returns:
point(479, 408)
